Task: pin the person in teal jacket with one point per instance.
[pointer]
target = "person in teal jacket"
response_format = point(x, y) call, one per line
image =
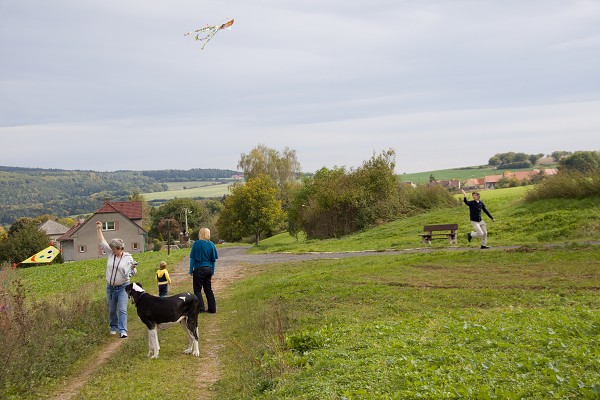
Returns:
point(202, 267)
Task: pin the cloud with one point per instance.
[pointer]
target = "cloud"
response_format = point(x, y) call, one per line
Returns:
point(334, 80)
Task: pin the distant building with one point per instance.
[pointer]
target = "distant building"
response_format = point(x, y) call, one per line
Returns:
point(119, 219)
point(490, 181)
point(53, 229)
point(448, 184)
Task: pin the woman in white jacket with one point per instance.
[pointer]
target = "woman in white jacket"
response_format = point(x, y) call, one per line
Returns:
point(120, 266)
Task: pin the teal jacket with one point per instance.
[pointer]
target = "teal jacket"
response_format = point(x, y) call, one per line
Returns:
point(203, 254)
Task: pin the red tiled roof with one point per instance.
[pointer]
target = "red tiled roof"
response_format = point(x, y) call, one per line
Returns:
point(492, 178)
point(130, 209)
point(67, 235)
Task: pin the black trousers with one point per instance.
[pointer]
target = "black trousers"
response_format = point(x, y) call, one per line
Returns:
point(202, 280)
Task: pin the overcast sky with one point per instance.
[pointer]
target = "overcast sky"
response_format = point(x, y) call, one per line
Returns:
point(111, 84)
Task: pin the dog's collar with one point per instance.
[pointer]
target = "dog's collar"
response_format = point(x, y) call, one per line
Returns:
point(138, 299)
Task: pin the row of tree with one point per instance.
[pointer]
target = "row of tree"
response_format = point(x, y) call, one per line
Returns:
point(34, 192)
point(331, 203)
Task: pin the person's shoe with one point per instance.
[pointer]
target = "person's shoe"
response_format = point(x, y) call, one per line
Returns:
point(469, 237)
point(123, 335)
point(113, 332)
point(484, 247)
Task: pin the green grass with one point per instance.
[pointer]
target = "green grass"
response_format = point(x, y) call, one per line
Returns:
point(58, 320)
point(205, 191)
point(517, 223)
point(501, 324)
point(46, 280)
point(189, 185)
point(519, 324)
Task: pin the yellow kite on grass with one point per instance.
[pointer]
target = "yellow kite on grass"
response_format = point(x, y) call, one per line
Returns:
point(44, 256)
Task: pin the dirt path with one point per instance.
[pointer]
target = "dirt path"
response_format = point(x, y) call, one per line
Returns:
point(229, 269)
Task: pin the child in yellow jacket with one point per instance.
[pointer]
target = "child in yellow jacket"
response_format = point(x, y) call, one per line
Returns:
point(163, 279)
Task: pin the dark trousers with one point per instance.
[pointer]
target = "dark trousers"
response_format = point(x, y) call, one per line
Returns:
point(163, 290)
point(202, 277)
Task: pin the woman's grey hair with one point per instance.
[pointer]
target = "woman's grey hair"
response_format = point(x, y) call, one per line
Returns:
point(116, 244)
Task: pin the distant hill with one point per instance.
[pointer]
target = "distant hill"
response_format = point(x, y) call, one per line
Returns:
point(31, 192)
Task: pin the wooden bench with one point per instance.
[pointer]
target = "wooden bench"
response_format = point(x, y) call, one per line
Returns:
point(449, 231)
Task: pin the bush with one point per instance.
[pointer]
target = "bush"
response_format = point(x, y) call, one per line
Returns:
point(41, 340)
point(567, 184)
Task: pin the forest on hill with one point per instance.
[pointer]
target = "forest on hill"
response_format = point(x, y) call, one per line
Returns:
point(31, 192)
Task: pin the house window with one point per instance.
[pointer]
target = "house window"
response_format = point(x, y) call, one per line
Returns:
point(134, 246)
point(108, 226)
point(82, 249)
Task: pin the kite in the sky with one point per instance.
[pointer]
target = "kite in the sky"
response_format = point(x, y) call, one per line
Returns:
point(207, 33)
point(44, 256)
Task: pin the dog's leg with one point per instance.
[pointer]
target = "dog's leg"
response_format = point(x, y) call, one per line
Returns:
point(192, 328)
point(196, 351)
point(189, 349)
point(153, 343)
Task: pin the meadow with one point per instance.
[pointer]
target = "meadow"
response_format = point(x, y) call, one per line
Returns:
point(470, 324)
point(521, 320)
point(193, 190)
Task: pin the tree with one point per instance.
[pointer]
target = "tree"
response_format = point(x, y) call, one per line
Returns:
point(281, 167)
point(169, 228)
point(23, 242)
point(175, 209)
point(494, 161)
point(146, 217)
point(251, 210)
point(581, 161)
point(557, 155)
point(336, 202)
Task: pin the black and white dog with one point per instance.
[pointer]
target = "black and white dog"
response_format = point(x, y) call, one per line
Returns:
point(162, 312)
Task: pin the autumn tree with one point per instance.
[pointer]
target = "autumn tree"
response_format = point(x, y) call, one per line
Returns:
point(251, 210)
point(175, 210)
point(146, 209)
point(282, 167)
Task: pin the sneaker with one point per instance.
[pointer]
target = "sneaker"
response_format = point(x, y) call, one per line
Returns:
point(123, 335)
point(469, 237)
point(113, 332)
point(484, 247)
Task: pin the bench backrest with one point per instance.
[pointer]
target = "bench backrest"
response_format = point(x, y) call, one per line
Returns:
point(447, 227)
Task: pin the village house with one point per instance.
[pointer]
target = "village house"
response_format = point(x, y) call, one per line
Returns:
point(54, 230)
point(448, 184)
point(490, 181)
point(119, 220)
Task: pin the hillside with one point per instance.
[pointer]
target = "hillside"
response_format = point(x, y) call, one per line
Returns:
point(517, 321)
point(31, 192)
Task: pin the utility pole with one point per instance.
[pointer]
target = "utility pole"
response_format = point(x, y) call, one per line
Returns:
point(169, 237)
point(186, 234)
